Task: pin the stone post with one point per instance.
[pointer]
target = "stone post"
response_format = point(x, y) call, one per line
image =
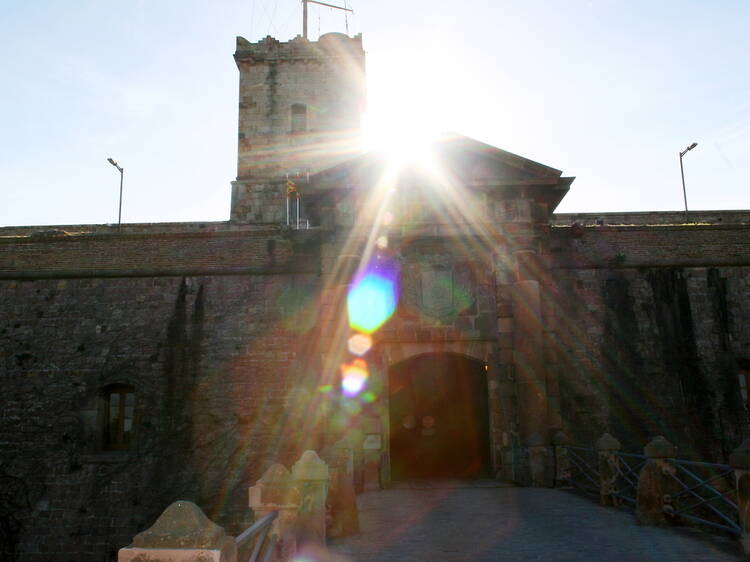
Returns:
point(342, 500)
point(181, 534)
point(562, 460)
point(606, 448)
point(528, 359)
point(655, 484)
point(275, 491)
point(311, 478)
point(740, 462)
point(372, 452)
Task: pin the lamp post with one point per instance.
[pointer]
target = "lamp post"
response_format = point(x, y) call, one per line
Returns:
point(682, 173)
point(119, 212)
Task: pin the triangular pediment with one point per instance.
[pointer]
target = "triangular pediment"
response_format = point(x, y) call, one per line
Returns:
point(469, 161)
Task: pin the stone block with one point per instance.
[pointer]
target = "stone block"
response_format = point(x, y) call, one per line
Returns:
point(182, 533)
point(311, 477)
point(740, 457)
point(654, 485)
point(181, 525)
point(607, 443)
point(660, 448)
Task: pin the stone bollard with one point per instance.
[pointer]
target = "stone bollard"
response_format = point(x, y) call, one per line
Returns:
point(181, 534)
point(539, 454)
point(740, 462)
point(606, 448)
point(655, 485)
point(372, 452)
point(311, 478)
point(562, 459)
point(342, 500)
point(276, 491)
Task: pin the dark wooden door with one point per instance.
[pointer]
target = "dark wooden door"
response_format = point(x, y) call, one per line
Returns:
point(438, 418)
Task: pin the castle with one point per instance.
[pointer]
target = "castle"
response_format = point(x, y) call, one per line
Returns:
point(437, 316)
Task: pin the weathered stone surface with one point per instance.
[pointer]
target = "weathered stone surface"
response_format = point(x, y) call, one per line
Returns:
point(607, 443)
point(654, 487)
point(275, 488)
point(743, 504)
point(312, 477)
point(607, 446)
point(182, 525)
point(228, 553)
point(660, 448)
point(560, 438)
point(342, 501)
point(310, 468)
point(740, 457)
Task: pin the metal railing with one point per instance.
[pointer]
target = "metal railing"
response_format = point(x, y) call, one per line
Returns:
point(584, 469)
point(706, 492)
point(254, 544)
point(628, 470)
point(708, 495)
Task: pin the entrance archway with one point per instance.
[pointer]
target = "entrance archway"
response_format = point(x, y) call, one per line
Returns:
point(439, 421)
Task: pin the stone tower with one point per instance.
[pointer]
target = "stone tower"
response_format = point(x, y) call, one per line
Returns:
point(300, 112)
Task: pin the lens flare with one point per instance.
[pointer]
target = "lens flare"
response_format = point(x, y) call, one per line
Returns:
point(373, 297)
point(353, 377)
point(359, 344)
point(353, 407)
point(382, 242)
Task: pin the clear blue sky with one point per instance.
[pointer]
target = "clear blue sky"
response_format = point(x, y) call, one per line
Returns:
point(608, 91)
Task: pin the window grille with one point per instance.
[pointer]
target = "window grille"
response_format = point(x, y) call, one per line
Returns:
point(119, 413)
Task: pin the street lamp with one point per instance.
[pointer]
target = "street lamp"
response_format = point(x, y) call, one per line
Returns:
point(682, 173)
point(121, 170)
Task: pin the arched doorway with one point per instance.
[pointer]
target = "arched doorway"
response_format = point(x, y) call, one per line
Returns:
point(439, 422)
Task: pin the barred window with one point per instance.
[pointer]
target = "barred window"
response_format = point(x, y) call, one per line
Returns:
point(118, 414)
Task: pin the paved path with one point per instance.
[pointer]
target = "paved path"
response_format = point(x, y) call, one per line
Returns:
point(504, 523)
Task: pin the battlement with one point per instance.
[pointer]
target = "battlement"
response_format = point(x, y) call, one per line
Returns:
point(330, 45)
point(300, 111)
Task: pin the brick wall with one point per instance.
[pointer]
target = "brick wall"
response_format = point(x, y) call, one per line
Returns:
point(653, 246)
point(139, 254)
point(653, 218)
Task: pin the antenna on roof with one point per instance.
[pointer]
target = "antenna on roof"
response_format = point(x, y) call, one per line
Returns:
point(304, 12)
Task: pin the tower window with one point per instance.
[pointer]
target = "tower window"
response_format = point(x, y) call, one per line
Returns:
point(299, 118)
point(118, 413)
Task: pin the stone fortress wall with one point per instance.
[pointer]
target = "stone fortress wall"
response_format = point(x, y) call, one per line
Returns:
point(652, 331)
point(211, 358)
point(213, 329)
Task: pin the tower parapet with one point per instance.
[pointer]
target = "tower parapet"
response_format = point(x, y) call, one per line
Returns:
point(300, 111)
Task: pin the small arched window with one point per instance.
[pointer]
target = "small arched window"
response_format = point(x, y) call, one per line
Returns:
point(118, 417)
point(299, 118)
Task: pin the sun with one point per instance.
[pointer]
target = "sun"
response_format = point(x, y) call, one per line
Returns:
point(403, 116)
point(400, 134)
